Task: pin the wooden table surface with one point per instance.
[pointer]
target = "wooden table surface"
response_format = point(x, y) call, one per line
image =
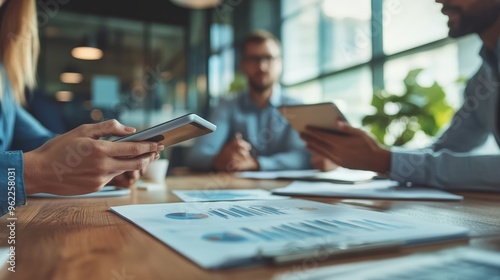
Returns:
point(80, 239)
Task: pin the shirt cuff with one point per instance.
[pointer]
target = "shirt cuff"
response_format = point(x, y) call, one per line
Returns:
point(266, 163)
point(12, 181)
point(407, 166)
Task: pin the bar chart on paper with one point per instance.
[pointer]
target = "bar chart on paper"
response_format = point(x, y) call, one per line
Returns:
point(235, 233)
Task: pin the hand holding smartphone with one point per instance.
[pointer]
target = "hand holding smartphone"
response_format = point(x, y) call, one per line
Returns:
point(174, 131)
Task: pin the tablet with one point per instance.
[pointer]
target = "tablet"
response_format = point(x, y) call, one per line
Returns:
point(322, 115)
point(173, 131)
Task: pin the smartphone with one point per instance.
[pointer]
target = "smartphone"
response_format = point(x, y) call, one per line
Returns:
point(322, 115)
point(173, 131)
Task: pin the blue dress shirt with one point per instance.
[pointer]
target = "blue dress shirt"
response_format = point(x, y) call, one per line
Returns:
point(275, 144)
point(449, 163)
point(19, 133)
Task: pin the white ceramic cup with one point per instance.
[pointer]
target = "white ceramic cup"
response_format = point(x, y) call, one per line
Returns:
point(157, 171)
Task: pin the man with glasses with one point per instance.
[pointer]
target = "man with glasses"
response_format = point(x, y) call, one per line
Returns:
point(251, 133)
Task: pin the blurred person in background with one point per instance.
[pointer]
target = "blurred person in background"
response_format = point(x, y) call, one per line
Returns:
point(251, 133)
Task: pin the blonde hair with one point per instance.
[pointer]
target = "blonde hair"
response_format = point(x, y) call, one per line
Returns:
point(19, 45)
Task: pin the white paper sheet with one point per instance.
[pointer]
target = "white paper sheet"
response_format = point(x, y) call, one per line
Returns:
point(378, 189)
point(271, 175)
point(229, 234)
point(410, 266)
point(226, 195)
point(339, 175)
point(107, 191)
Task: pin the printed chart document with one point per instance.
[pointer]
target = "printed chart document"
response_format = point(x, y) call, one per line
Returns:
point(226, 195)
point(339, 175)
point(378, 189)
point(229, 234)
point(458, 263)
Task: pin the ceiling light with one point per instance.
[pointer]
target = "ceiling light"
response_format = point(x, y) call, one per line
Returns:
point(197, 4)
point(87, 50)
point(87, 53)
point(71, 78)
point(71, 75)
point(64, 96)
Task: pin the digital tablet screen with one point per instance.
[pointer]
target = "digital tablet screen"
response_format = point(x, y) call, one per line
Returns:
point(173, 131)
point(322, 115)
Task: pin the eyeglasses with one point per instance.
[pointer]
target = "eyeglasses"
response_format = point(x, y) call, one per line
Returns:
point(258, 59)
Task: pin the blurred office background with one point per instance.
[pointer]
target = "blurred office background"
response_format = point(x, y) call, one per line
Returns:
point(159, 59)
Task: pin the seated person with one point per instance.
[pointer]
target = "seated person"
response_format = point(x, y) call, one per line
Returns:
point(448, 163)
point(251, 133)
point(32, 159)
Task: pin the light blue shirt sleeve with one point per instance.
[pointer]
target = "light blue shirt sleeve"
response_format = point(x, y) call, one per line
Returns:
point(11, 182)
point(446, 169)
point(29, 134)
point(451, 162)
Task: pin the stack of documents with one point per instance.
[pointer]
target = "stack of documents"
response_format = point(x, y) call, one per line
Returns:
point(228, 234)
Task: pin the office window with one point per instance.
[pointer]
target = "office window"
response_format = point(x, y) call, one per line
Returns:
point(345, 33)
point(408, 24)
point(221, 63)
point(351, 91)
point(295, 6)
point(301, 38)
point(342, 55)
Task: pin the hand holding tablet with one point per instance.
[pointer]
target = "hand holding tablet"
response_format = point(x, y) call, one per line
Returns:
point(173, 131)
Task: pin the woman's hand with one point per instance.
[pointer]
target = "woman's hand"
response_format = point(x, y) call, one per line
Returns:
point(126, 179)
point(77, 162)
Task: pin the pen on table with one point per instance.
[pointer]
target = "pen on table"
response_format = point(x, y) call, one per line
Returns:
point(239, 136)
point(326, 251)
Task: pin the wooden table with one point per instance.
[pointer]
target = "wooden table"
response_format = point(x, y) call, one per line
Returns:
point(80, 239)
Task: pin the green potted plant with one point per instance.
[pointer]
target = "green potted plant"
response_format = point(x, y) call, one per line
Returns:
point(398, 117)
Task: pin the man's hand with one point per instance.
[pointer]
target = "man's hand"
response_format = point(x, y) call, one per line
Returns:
point(322, 163)
point(78, 162)
point(355, 149)
point(236, 156)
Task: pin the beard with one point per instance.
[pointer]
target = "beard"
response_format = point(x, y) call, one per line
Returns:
point(260, 87)
point(474, 22)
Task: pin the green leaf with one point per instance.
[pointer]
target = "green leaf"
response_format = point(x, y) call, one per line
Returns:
point(420, 108)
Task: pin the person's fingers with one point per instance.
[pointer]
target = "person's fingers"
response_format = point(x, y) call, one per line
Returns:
point(328, 152)
point(120, 181)
point(129, 149)
point(344, 127)
point(242, 144)
point(311, 136)
point(107, 128)
point(135, 163)
point(133, 176)
point(238, 156)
